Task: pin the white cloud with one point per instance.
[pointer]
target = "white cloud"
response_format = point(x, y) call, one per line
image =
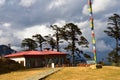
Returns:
point(101, 46)
point(37, 29)
point(85, 10)
point(1, 32)
point(16, 48)
point(83, 24)
point(86, 31)
point(14, 37)
point(27, 3)
point(56, 3)
point(4, 40)
point(2, 2)
point(7, 25)
point(99, 27)
point(59, 23)
point(100, 5)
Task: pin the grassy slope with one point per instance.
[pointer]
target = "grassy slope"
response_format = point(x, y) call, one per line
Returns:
point(82, 73)
point(68, 73)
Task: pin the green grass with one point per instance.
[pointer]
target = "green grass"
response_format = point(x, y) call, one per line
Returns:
point(85, 73)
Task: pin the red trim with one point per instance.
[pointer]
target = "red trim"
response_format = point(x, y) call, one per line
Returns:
point(35, 53)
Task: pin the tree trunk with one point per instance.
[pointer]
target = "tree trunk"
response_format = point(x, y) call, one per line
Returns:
point(73, 49)
point(40, 46)
point(57, 38)
point(116, 54)
point(73, 46)
point(52, 48)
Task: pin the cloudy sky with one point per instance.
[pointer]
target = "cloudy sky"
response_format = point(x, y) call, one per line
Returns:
point(21, 19)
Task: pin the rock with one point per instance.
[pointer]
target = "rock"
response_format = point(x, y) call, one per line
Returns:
point(96, 66)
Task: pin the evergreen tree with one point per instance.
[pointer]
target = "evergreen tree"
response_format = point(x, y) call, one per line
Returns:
point(39, 39)
point(50, 41)
point(57, 34)
point(28, 43)
point(114, 32)
point(72, 34)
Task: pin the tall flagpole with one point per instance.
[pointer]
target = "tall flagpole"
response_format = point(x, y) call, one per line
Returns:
point(92, 29)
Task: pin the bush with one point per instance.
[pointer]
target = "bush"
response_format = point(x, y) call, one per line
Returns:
point(7, 65)
point(98, 66)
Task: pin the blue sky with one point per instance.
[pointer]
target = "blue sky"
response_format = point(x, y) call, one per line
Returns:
point(21, 19)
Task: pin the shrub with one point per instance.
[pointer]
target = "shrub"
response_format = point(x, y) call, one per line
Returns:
point(7, 65)
point(98, 66)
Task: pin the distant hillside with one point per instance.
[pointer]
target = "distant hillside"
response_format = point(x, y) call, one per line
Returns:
point(4, 50)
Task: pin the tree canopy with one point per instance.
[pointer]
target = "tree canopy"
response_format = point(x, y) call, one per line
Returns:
point(29, 44)
point(39, 39)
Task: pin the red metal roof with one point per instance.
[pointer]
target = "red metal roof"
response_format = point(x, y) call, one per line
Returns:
point(32, 53)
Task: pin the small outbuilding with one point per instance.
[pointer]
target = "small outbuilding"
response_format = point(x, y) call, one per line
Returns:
point(31, 59)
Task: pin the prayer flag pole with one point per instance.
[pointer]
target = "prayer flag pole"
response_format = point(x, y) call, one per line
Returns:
point(92, 29)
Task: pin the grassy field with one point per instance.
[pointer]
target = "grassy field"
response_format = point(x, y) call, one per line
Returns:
point(68, 73)
point(21, 75)
point(82, 73)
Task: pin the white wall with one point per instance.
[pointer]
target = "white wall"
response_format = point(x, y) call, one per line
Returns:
point(19, 59)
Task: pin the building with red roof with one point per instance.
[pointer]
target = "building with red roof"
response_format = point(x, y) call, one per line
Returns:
point(38, 58)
